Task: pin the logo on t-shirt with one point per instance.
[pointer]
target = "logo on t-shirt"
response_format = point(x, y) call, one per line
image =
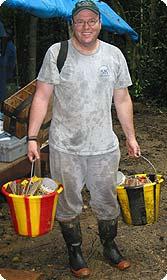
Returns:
point(104, 71)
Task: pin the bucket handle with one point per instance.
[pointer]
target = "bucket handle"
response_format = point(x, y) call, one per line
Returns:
point(31, 175)
point(60, 189)
point(146, 159)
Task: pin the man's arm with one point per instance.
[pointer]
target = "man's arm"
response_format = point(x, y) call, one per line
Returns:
point(37, 114)
point(124, 108)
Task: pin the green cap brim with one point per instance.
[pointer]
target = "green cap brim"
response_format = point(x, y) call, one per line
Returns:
point(96, 11)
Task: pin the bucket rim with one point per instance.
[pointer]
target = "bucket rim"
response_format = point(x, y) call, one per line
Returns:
point(159, 176)
point(4, 187)
point(136, 187)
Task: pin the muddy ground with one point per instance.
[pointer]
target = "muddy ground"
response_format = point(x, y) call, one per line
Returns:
point(145, 246)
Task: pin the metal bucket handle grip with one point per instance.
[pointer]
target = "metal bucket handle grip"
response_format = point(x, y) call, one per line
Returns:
point(146, 159)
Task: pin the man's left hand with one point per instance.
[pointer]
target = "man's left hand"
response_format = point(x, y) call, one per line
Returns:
point(133, 148)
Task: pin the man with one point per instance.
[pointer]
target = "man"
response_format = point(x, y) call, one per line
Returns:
point(83, 147)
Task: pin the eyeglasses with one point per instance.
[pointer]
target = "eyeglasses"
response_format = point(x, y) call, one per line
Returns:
point(90, 22)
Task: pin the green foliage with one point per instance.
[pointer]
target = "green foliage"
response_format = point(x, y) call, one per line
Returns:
point(137, 89)
point(148, 59)
point(153, 59)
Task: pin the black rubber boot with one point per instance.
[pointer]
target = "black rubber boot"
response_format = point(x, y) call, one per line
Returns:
point(72, 235)
point(107, 233)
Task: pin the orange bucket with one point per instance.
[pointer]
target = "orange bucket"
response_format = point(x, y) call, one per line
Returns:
point(32, 215)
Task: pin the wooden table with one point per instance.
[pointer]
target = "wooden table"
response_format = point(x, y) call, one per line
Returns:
point(21, 167)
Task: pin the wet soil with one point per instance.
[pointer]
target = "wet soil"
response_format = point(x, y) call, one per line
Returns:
point(145, 246)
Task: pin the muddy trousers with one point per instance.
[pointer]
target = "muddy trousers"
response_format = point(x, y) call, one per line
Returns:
point(71, 232)
point(98, 173)
point(107, 233)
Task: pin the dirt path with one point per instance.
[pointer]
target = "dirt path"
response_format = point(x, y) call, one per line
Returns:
point(146, 246)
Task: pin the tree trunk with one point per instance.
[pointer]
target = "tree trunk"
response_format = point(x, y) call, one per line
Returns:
point(117, 7)
point(152, 24)
point(141, 22)
point(70, 31)
point(32, 48)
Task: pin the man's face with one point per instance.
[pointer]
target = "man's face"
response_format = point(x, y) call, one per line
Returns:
point(86, 27)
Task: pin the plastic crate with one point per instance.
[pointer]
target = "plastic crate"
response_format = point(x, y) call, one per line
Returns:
point(12, 149)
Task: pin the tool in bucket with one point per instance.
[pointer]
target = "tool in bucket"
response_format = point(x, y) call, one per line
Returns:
point(34, 185)
point(139, 197)
point(136, 180)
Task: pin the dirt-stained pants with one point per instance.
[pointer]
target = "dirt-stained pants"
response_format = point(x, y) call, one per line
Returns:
point(98, 172)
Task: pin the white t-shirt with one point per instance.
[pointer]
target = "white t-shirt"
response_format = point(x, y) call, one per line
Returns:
point(83, 91)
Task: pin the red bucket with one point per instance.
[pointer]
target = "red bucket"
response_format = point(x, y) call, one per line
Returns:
point(32, 215)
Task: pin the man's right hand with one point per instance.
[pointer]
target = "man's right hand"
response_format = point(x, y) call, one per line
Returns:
point(33, 151)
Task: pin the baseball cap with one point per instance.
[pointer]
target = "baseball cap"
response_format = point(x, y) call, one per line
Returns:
point(85, 5)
